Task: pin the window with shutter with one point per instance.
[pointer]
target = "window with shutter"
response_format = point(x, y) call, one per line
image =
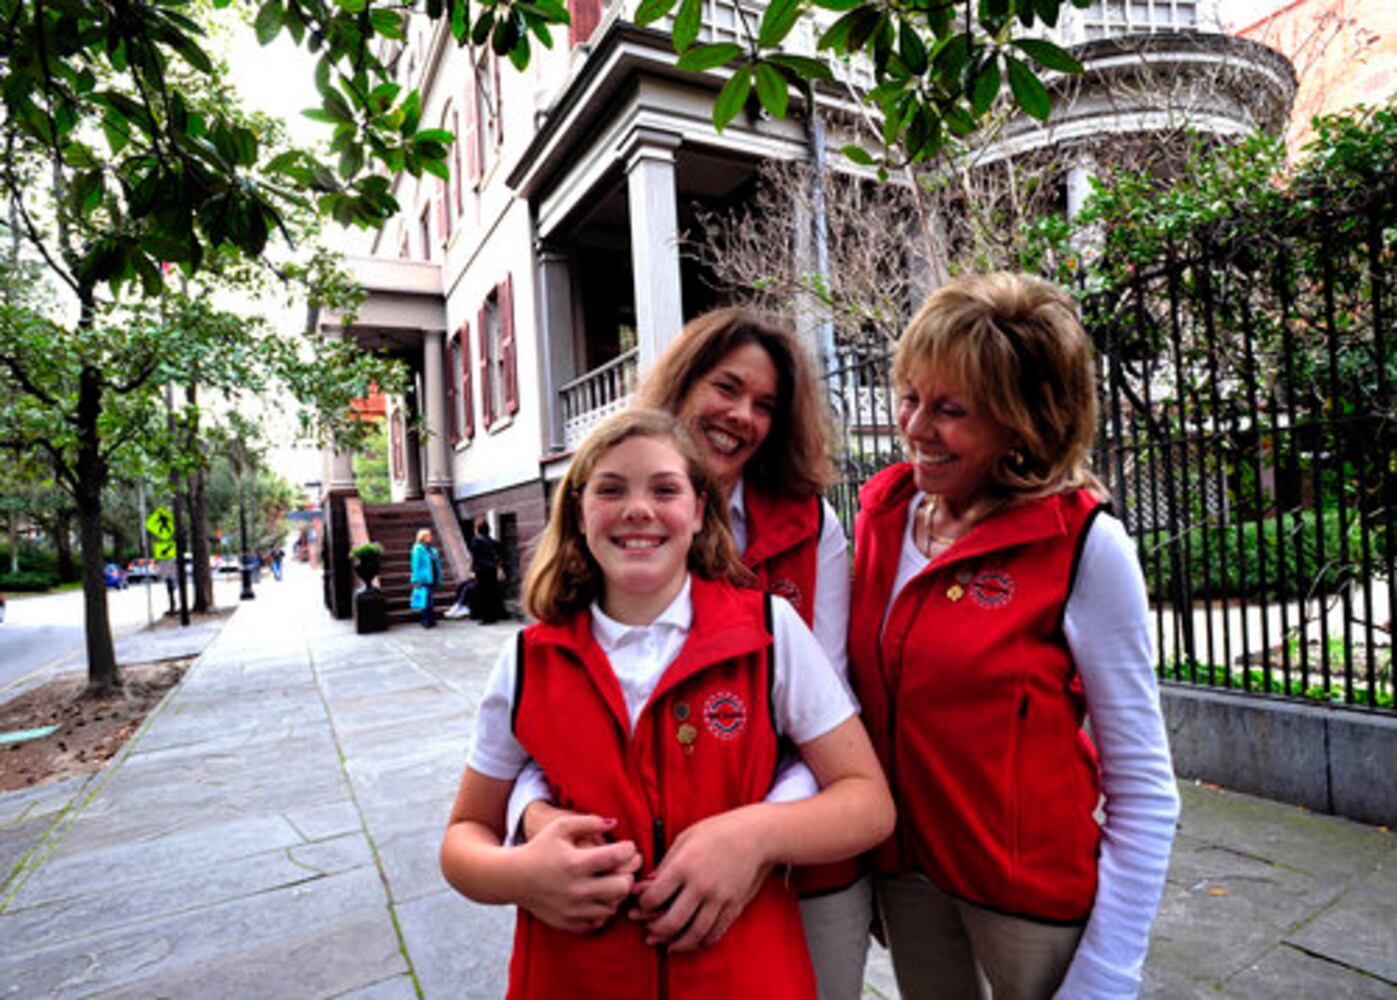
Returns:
point(452, 367)
point(487, 404)
point(464, 373)
point(509, 373)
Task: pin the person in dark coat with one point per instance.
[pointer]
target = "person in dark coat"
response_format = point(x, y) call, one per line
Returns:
point(487, 561)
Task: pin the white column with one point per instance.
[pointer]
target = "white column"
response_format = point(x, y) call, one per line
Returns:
point(339, 465)
point(659, 309)
point(1079, 177)
point(557, 365)
point(434, 388)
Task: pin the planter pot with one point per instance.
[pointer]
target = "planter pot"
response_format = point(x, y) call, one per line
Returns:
point(370, 611)
point(366, 568)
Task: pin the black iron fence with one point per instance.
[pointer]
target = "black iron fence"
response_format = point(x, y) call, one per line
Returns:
point(1246, 437)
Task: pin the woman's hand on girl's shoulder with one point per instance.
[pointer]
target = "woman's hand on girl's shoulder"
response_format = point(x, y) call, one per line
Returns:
point(710, 874)
point(577, 879)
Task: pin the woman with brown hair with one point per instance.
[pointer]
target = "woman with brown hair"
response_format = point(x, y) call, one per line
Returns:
point(747, 392)
point(996, 604)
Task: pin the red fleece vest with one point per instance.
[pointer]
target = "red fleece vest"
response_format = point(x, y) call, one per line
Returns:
point(704, 744)
point(783, 546)
point(783, 550)
point(974, 705)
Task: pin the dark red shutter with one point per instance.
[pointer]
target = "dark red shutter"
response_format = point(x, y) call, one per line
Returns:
point(467, 397)
point(584, 15)
point(510, 373)
point(449, 363)
point(487, 402)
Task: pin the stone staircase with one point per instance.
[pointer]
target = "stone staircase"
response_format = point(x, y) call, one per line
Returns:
point(395, 527)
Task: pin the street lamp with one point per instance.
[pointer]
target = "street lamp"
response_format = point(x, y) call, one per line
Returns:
point(247, 593)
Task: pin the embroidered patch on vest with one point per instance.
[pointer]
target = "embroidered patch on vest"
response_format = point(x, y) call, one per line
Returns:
point(725, 715)
point(992, 589)
point(788, 589)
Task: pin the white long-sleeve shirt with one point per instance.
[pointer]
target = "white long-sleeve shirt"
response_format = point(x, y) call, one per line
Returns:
point(1106, 623)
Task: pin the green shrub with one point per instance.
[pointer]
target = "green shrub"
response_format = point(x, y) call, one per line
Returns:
point(31, 559)
point(27, 580)
point(1232, 569)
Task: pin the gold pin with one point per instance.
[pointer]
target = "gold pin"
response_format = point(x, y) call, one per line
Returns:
point(955, 592)
point(681, 710)
point(686, 734)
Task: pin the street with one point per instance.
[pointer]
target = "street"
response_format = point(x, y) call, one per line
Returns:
point(45, 631)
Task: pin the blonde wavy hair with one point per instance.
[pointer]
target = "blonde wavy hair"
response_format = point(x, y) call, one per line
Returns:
point(1016, 346)
point(794, 460)
point(564, 578)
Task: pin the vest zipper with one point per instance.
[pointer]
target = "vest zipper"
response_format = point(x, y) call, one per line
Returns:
point(1016, 774)
point(657, 849)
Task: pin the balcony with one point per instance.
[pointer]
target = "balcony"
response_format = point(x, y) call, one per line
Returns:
point(588, 400)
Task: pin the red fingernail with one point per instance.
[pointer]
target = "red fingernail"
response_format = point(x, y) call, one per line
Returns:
point(610, 821)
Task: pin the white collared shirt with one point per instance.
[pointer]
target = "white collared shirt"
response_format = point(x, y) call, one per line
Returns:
point(807, 698)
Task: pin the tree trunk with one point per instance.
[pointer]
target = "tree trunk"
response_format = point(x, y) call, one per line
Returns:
point(102, 674)
point(63, 545)
point(197, 505)
point(199, 541)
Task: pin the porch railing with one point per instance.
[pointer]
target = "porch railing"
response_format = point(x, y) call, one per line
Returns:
point(591, 398)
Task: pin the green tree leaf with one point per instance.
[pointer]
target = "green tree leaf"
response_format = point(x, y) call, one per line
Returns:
point(1028, 90)
point(268, 22)
point(777, 21)
point(651, 11)
point(772, 90)
point(702, 58)
point(1047, 55)
point(732, 97)
point(686, 24)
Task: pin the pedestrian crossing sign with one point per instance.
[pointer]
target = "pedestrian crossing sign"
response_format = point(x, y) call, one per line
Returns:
point(161, 525)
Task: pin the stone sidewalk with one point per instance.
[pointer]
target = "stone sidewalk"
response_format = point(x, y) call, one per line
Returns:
point(273, 831)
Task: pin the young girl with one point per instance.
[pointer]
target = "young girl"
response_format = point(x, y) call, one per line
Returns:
point(654, 694)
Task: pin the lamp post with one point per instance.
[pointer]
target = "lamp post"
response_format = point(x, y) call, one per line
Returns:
point(246, 560)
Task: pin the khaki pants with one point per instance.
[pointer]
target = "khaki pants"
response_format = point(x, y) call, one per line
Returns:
point(944, 948)
point(836, 932)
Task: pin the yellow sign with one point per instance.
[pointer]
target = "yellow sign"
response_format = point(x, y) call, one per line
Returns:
point(163, 549)
point(161, 524)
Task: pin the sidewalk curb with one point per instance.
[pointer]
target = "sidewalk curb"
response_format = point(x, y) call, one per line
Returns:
point(49, 840)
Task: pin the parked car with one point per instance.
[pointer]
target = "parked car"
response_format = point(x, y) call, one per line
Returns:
point(142, 569)
point(225, 564)
point(114, 576)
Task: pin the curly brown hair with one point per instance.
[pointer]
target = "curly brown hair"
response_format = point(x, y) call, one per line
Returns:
point(794, 460)
point(564, 578)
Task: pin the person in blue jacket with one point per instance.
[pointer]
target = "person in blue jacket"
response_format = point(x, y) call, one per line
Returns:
point(426, 574)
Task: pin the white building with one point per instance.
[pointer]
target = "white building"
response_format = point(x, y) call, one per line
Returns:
point(530, 291)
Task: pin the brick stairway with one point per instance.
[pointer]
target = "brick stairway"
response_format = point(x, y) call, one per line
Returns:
point(395, 526)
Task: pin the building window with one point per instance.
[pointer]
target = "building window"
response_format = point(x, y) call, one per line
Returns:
point(459, 402)
point(498, 367)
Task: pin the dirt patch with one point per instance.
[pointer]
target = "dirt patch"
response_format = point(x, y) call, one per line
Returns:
point(90, 730)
